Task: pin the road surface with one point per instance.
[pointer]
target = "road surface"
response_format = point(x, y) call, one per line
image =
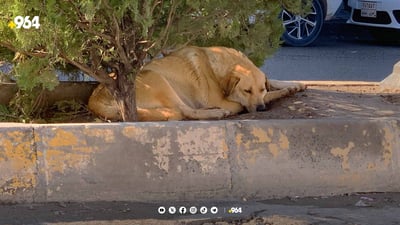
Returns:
point(373, 208)
point(342, 52)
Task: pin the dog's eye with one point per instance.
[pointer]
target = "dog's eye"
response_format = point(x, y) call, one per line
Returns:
point(262, 89)
point(247, 91)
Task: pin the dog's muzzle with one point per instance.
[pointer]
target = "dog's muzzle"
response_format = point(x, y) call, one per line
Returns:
point(261, 108)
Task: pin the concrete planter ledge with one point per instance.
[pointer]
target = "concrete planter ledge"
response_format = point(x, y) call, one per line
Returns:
point(192, 160)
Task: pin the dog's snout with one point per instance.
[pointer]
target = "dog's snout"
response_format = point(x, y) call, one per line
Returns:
point(261, 108)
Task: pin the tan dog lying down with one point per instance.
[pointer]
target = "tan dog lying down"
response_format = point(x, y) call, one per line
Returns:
point(197, 83)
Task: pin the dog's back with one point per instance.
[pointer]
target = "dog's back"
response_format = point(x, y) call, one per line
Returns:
point(186, 71)
point(191, 83)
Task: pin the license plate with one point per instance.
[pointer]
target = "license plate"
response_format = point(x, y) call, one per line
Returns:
point(368, 9)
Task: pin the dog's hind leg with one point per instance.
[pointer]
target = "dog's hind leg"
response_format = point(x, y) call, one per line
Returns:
point(163, 103)
point(159, 114)
point(204, 114)
point(184, 112)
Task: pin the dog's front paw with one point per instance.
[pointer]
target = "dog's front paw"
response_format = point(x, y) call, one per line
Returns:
point(220, 113)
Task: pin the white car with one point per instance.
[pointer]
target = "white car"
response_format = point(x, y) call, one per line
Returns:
point(302, 31)
point(375, 13)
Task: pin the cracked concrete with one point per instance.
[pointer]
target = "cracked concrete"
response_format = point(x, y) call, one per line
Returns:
point(187, 160)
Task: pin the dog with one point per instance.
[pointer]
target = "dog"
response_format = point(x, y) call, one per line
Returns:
point(197, 83)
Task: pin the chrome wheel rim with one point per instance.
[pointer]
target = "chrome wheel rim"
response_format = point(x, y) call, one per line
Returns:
point(298, 27)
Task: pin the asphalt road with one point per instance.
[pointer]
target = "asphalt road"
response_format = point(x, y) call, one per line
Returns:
point(342, 52)
point(373, 208)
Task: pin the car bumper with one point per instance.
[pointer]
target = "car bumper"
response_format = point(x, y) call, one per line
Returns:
point(387, 14)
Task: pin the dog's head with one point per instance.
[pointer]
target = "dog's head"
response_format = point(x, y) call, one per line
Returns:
point(247, 85)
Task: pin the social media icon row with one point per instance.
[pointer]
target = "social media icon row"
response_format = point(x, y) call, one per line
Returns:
point(183, 210)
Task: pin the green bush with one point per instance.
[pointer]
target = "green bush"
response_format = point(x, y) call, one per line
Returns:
point(100, 37)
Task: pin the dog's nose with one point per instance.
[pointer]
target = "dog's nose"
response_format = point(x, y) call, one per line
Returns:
point(261, 108)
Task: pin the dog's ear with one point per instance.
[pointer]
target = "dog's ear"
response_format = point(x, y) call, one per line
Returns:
point(231, 84)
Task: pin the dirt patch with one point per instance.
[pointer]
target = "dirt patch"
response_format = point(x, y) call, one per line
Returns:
point(340, 101)
point(394, 99)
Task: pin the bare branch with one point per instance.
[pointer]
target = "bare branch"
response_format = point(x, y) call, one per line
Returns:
point(99, 75)
point(91, 31)
point(171, 15)
point(120, 49)
point(86, 25)
point(117, 41)
point(77, 9)
point(155, 6)
point(9, 46)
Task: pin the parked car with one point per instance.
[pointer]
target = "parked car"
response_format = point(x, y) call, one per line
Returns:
point(304, 30)
point(381, 16)
point(381, 13)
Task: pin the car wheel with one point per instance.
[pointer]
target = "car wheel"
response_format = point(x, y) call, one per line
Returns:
point(302, 31)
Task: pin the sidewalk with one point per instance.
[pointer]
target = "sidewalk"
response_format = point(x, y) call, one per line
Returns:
point(335, 99)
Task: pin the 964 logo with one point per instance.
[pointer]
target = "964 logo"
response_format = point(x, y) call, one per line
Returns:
point(24, 22)
point(235, 210)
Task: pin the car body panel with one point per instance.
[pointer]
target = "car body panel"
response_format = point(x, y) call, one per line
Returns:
point(331, 8)
point(387, 8)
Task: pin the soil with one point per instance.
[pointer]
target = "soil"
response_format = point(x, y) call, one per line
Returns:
point(317, 101)
point(332, 101)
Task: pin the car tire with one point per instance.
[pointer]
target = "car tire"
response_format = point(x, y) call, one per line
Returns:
point(303, 31)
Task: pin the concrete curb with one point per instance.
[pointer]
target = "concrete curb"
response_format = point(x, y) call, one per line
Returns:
point(192, 160)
